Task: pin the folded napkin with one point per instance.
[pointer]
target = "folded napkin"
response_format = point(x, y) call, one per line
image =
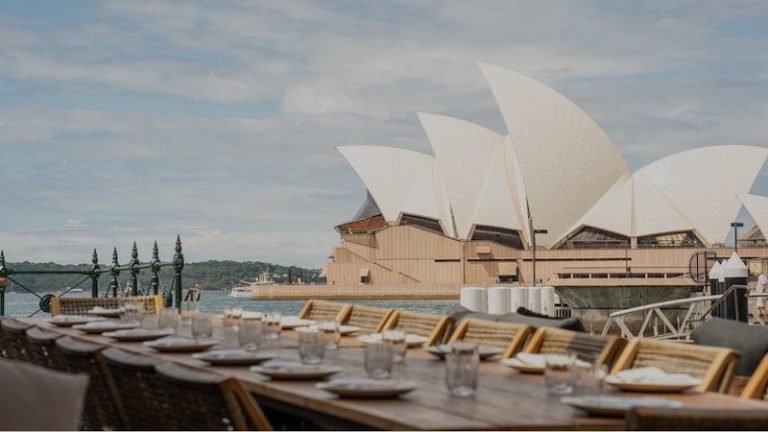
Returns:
point(529, 359)
point(653, 374)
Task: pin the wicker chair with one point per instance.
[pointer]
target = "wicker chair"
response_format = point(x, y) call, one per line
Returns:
point(141, 391)
point(320, 310)
point(369, 319)
point(600, 350)
point(713, 365)
point(40, 345)
point(207, 401)
point(14, 340)
point(81, 305)
point(696, 419)
point(510, 336)
point(431, 326)
point(103, 408)
point(757, 386)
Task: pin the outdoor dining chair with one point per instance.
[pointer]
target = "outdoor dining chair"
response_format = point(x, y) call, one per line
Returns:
point(82, 305)
point(320, 310)
point(509, 336)
point(146, 407)
point(757, 386)
point(600, 350)
point(427, 325)
point(14, 341)
point(713, 365)
point(40, 344)
point(207, 401)
point(369, 319)
point(649, 419)
point(103, 407)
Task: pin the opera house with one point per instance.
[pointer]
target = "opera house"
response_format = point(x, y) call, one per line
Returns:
point(475, 210)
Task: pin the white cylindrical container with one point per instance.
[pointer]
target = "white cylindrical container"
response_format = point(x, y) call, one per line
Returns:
point(518, 297)
point(714, 275)
point(735, 272)
point(474, 299)
point(498, 300)
point(548, 300)
point(534, 299)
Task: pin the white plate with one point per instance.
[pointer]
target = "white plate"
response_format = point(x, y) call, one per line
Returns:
point(178, 344)
point(366, 388)
point(412, 340)
point(295, 370)
point(97, 327)
point(484, 351)
point(106, 312)
point(235, 357)
point(138, 334)
point(670, 383)
point(533, 363)
point(70, 320)
point(617, 406)
point(289, 322)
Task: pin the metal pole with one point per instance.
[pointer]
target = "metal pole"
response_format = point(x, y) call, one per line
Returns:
point(178, 265)
point(3, 282)
point(155, 281)
point(134, 271)
point(95, 271)
point(736, 226)
point(114, 283)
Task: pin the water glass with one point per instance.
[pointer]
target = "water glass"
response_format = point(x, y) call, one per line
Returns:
point(396, 342)
point(378, 359)
point(311, 345)
point(168, 318)
point(189, 308)
point(249, 334)
point(461, 369)
point(559, 373)
point(272, 325)
point(331, 333)
point(589, 378)
point(202, 326)
point(232, 316)
point(131, 311)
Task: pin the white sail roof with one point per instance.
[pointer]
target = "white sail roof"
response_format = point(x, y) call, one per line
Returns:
point(560, 151)
point(400, 181)
point(471, 163)
point(757, 206)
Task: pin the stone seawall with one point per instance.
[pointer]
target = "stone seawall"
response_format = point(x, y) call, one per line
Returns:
point(371, 292)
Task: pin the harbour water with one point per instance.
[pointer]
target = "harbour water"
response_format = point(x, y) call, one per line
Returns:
point(24, 304)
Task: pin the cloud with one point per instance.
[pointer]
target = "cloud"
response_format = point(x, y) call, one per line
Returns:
point(74, 224)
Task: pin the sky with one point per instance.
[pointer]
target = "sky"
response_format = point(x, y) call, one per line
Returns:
point(137, 120)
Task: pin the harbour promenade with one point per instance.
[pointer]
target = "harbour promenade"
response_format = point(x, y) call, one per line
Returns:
point(360, 291)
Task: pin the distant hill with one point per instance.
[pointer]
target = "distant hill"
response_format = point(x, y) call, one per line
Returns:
point(215, 275)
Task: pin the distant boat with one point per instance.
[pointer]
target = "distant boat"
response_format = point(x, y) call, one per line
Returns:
point(76, 290)
point(240, 292)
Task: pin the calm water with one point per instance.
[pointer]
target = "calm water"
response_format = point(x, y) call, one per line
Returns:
point(23, 304)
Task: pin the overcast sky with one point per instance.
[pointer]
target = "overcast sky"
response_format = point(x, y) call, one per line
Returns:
point(217, 120)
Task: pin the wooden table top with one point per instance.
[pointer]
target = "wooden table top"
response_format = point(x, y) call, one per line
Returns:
point(505, 398)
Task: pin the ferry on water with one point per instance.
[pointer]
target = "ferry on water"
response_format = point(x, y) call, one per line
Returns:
point(245, 291)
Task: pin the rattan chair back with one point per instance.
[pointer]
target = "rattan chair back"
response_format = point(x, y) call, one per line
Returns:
point(141, 391)
point(14, 338)
point(321, 310)
point(648, 419)
point(430, 326)
point(103, 408)
point(82, 305)
point(713, 365)
point(369, 319)
point(600, 350)
point(510, 336)
point(40, 347)
point(208, 401)
point(757, 386)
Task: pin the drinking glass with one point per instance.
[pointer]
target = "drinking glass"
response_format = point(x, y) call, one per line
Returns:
point(396, 342)
point(461, 367)
point(558, 373)
point(131, 311)
point(331, 333)
point(378, 359)
point(311, 345)
point(168, 318)
point(189, 308)
point(272, 325)
point(202, 326)
point(249, 334)
point(589, 378)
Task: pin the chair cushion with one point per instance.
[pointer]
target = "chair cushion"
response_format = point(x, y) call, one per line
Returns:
point(751, 341)
point(459, 312)
point(29, 391)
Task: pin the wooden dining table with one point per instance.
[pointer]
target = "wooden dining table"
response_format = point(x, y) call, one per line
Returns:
point(505, 399)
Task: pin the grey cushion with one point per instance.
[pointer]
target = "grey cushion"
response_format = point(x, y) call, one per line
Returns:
point(751, 341)
point(459, 312)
